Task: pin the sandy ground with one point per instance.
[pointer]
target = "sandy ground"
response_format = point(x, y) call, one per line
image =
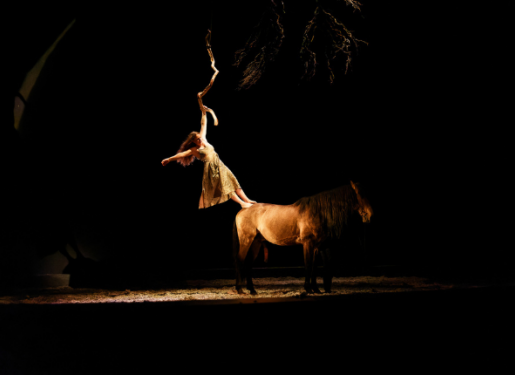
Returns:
point(281, 287)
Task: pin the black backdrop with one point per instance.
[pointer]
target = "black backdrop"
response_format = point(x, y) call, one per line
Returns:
point(119, 94)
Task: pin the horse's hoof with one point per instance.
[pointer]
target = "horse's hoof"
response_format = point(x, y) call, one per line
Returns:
point(309, 291)
point(241, 291)
point(317, 291)
point(253, 292)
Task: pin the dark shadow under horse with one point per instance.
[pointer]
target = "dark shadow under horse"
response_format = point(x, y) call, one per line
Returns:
point(314, 222)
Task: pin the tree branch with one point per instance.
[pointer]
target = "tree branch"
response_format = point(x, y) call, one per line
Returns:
point(203, 108)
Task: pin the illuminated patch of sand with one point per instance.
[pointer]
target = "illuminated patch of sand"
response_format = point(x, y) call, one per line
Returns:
point(282, 287)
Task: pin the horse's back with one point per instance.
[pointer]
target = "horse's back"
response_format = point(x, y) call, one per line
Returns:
point(266, 211)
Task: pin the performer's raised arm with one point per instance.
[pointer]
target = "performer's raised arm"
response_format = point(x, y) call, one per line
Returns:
point(203, 120)
point(203, 123)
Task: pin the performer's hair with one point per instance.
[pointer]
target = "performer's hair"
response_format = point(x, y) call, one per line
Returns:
point(186, 145)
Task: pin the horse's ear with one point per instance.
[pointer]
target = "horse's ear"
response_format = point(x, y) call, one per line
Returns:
point(353, 185)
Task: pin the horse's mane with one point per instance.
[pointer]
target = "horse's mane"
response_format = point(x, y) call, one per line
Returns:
point(332, 208)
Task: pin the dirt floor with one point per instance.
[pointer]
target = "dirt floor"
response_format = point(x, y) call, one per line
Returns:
point(223, 289)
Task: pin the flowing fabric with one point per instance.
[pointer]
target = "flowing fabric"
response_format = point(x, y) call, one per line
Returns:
point(218, 182)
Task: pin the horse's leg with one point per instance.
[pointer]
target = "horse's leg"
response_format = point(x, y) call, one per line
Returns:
point(245, 241)
point(328, 272)
point(254, 251)
point(235, 251)
point(239, 271)
point(309, 253)
point(314, 284)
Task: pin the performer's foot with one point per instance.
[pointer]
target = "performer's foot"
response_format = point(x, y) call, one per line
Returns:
point(246, 205)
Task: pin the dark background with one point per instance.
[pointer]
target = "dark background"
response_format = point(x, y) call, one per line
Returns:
point(119, 94)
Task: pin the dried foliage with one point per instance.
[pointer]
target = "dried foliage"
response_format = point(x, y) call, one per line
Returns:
point(335, 38)
point(324, 32)
point(353, 3)
point(267, 38)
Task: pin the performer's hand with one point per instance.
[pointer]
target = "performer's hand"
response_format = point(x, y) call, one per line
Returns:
point(165, 161)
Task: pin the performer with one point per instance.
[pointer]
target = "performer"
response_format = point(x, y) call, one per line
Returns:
point(218, 184)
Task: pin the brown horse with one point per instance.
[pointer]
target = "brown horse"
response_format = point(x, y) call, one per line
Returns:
point(313, 222)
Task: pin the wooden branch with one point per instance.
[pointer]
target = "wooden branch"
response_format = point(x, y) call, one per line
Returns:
point(203, 108)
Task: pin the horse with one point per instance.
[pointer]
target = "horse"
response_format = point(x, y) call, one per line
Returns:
point(314, 222)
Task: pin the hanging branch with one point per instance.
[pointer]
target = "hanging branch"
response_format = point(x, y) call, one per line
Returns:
point(354, 3)
point(270, 33)
point(305, 51)
point(203, 108)
point(337, 40)
point(341, 42)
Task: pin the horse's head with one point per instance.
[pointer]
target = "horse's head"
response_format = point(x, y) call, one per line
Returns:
point(364, 208)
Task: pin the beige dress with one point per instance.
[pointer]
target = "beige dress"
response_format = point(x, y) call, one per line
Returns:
point(218, 182)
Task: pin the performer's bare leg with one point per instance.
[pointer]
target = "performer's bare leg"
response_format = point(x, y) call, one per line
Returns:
point(235, 198)
point(244, 197)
